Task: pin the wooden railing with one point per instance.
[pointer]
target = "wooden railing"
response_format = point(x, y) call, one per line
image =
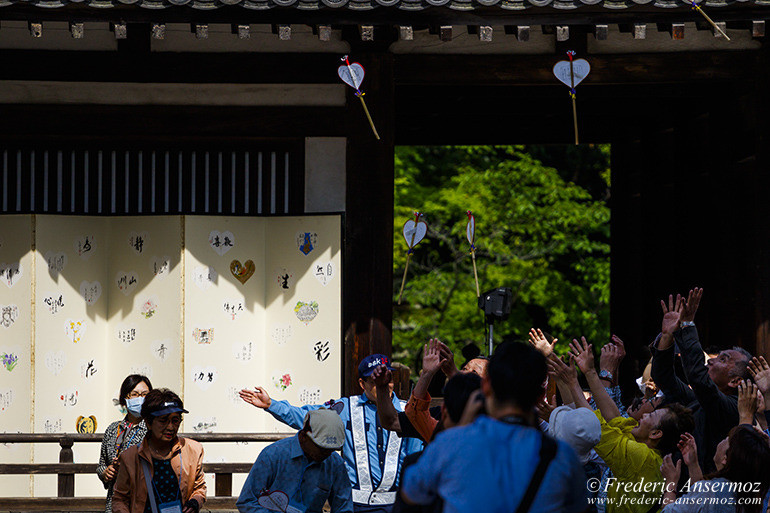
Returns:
point(66, 469)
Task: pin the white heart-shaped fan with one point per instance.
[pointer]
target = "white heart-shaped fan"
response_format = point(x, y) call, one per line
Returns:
point(470, 229)
point(352, 74)
point(274, 501)
point(580, 70)
point(414, 232)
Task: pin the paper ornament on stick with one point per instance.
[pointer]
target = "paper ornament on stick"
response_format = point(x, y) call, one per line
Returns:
point(470, 233)
point(353, 74)
point(414, 231)
point(697, 7)
point(571, 73)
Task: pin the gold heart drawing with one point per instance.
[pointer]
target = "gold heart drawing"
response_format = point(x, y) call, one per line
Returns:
point(242, 272)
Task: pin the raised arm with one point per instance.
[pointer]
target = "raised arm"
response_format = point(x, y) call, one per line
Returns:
point(282, 411)
point(663, 354)
point(747, 402)
point(386, 412)
point(760, 372)
point(432, 361)
point(564, 375)
point(584, 357)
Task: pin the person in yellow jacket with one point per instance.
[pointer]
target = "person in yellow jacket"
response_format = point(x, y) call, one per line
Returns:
point(633, 450)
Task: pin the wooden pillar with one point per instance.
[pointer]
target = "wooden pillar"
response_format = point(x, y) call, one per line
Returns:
point(759, 189)
point(367, 277)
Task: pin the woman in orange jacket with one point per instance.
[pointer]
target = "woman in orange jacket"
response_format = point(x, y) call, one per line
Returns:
point(165, 472)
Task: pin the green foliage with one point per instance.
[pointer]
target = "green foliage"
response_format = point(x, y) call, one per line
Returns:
point(537, 232)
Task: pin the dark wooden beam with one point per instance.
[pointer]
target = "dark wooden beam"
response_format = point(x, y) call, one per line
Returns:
point(51, 121)
point(587, 15)
point(626, 69)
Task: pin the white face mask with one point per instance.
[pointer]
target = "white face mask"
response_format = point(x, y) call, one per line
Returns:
point(134, 405)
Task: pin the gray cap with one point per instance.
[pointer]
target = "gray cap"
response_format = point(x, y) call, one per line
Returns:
point(326, 428)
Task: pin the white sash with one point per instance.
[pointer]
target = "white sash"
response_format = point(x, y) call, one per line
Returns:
point(364, 494)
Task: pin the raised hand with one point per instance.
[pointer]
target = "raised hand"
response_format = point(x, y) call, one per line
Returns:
point(669, 471)
point(760, 372)
point(583, 353)
point(382, 376)
point(672, 314)
point(689, 449)
point(560, 371)
point(431, 356)
point(545, 407)
point(610, 358)
point(693, 300)
point(620, 346)
point(747, 401)
point(257, 397)
point(448, 358)
point(539, 342)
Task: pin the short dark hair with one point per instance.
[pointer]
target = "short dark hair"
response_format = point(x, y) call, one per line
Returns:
point(677, 421)
point(457, 391)
point(129, 384)
point(155, 402)
point(517, 372)
point(741, 367)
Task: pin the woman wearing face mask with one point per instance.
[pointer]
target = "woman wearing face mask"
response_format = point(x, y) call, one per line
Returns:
point(122, 434)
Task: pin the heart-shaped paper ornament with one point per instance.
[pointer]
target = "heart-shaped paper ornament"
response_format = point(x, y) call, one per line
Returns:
point(204, 377)
point(204, 277)
point(274, 501)
point(54, 361)
point(6, 399)
point(90, 291)
point(242, 271)
point(310, 395)
point(221, 242)
point(470, 229)
point(8, 315)
point(126, 281)
point(306, 312)
point(69, 397)
point(126, 333)
point(144, 369)
point(580, 69)
point(160, 266)
point(324, 272)
point(52, 426)
point(281, 333)
point(85, 246)
point(243, 351)
point(56, 261)
point(10, 273)
point(414, 232)
point(352, 75)
point(161, 349)
point(74, 329)
point(137, 241)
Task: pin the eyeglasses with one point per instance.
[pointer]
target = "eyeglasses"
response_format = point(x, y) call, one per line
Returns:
point(134, 394)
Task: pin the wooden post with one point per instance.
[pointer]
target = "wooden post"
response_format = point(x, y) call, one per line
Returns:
point(223, 484)
point(368, 273)
point(66, 482)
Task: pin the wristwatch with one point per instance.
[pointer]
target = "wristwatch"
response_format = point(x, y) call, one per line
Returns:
point(605, 374)
point(686, 324)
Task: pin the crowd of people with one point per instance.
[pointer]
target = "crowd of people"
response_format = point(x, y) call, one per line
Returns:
point(522, 431)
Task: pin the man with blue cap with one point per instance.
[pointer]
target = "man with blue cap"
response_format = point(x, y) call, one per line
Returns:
point(300, 474)
point(372, 454)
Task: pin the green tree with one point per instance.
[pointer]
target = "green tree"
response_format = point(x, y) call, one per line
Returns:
point(537, 232)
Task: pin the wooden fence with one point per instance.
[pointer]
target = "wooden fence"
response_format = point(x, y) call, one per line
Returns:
point(66, 469)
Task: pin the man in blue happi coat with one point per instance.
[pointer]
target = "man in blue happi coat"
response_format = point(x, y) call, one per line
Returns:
point(372, 454)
